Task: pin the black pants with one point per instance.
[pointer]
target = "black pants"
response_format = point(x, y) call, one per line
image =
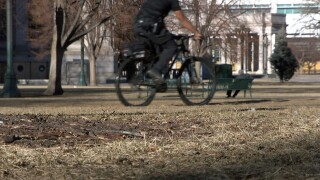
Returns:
point(161, 38)
point(168, 50)
point(234, 94)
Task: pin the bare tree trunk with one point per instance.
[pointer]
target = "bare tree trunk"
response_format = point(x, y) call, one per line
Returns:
point(57, 52)
point(54, 86)
point(301, 67)
point(92, 60)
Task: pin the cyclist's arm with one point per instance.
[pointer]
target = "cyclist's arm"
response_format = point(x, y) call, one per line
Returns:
point(187, 24)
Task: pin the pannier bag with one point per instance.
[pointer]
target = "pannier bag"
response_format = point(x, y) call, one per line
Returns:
point(135, 50)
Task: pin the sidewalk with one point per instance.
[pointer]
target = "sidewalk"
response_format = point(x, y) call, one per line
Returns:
point(298, 86)
point(302, 78)
point(97, 99)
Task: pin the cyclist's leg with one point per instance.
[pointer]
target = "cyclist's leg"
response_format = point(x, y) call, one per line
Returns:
point(168, 46)
point(168, 50)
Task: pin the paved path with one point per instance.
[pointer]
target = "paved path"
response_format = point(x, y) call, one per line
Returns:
point(262, 88)
point(295, 78)
point(104, 95)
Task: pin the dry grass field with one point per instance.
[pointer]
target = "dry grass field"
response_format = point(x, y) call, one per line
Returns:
point(88, 134)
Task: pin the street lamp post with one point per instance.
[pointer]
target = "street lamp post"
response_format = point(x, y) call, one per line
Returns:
point(82, 81)
point(247, 48)
point(10, 88)
point(265, 53)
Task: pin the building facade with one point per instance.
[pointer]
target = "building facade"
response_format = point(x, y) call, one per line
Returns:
point(262, 20)
point(253, 42)
point(26, 65)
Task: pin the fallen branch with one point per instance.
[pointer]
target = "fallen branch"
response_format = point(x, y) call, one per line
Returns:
point(127, 133)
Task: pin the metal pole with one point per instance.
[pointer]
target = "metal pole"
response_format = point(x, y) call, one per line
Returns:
point(82, 81)
point(265, 57)
point(10, 88)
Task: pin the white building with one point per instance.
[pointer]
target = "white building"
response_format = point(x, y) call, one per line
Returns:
point(263, 19)
point(297, 21)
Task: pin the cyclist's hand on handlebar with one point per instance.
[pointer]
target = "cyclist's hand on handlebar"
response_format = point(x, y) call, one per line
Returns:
point(197, 36)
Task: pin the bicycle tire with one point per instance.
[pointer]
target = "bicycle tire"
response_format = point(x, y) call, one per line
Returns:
point(196, 93)
point(133, 88)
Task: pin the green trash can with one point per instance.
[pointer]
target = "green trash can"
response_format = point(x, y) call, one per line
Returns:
point(223, 70)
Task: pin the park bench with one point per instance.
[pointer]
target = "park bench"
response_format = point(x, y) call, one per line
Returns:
point(225, 84)
point(226, 81)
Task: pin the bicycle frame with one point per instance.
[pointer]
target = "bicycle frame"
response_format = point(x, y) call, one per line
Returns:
point(179, 56)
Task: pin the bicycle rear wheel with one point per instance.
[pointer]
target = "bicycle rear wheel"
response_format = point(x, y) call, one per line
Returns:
point(196, 82)
point(132, 86)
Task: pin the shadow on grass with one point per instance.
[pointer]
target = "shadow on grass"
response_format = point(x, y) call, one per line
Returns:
point(242, 102)
point(279, 159)
point(38, 92)
point(35, 97)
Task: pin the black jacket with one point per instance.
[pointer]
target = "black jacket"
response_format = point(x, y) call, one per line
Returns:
point(158, 9)
point(149, 21)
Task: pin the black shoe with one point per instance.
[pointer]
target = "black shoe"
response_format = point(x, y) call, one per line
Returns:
point(161, 87)
point(160, 83)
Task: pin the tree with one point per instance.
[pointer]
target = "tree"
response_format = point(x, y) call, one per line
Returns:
point(40, 27)
point(95, 39)
point(121, 25)
point(70, 24)
point(310, 17)
point(118, 30)
point(283, 60)
point(306, 50)
point(214, 19)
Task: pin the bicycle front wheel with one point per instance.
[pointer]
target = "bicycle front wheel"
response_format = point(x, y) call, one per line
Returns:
point(196, 82)
point(132, 86)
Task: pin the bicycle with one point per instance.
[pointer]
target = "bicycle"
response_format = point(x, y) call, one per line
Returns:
point(194, 76)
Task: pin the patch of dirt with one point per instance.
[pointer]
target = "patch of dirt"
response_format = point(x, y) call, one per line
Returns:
point(47, 131)
point(34, 130)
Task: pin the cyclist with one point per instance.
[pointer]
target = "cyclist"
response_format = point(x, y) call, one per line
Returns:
point(149, 23)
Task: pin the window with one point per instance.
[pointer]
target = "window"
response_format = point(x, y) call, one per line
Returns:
point(251, 9)
point(289, 10)
point(259, 11)
point(284, 5)
point(299, 5)
point(246, 6)
point(262, 6)
point(295, 8)
point(297, 11)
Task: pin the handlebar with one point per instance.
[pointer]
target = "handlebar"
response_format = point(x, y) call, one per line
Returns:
point(181, 39)
point(182, 36)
